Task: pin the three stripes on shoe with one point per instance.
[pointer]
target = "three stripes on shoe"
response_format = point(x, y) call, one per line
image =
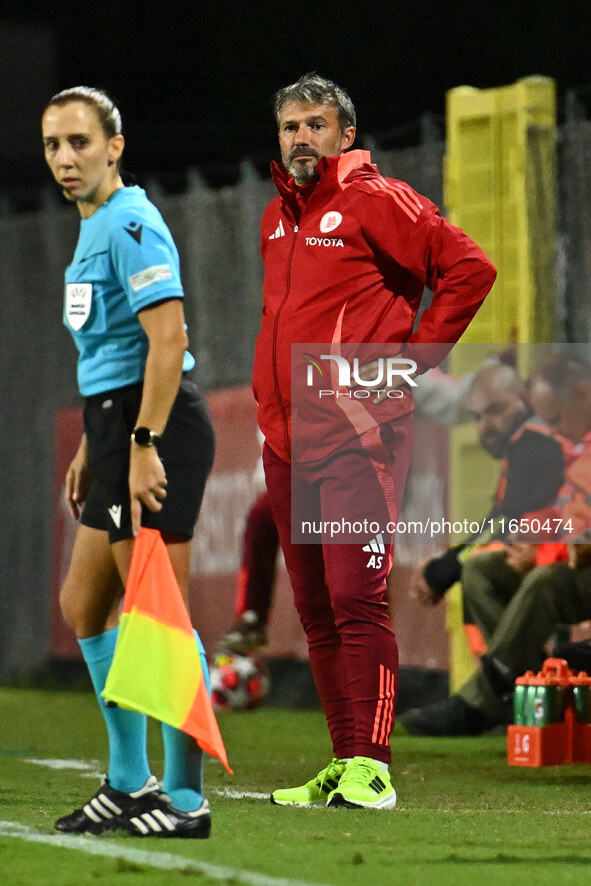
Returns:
point(153, 821)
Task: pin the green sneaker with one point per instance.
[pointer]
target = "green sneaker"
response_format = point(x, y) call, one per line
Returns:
point(364, 785)
point(313, 792)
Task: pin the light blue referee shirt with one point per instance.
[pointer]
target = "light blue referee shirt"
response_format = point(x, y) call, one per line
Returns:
point(125, 260)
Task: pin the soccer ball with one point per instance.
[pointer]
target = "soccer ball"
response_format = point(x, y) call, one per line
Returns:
point(238, 682)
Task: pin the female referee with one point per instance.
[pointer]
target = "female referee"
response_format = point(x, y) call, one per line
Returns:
point(146, 450)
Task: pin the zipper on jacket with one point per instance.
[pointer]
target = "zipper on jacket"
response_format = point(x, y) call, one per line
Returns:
point(275, 327)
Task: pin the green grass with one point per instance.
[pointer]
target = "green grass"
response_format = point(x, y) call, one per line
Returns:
point(463, 817)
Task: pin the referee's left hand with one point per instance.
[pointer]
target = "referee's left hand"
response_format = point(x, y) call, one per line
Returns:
point(147, 483)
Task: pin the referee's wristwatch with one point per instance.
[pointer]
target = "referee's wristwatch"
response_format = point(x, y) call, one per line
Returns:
point(145, 437)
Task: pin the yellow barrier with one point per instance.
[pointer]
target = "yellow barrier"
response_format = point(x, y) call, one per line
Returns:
point(499, 186)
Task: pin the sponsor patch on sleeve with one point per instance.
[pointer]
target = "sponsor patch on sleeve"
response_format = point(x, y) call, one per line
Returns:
point(148, 276)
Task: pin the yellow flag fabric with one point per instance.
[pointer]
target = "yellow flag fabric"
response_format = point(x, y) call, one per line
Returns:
point(156, 668)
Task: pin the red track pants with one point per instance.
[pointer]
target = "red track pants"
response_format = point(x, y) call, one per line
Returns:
point(340, 590)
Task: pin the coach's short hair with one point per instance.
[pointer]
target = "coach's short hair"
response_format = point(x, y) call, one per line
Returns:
point(313, 89)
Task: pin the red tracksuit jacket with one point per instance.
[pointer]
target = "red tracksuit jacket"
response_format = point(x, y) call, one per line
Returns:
point(346, 260)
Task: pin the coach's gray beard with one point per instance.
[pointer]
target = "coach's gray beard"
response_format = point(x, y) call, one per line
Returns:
point(303, 175)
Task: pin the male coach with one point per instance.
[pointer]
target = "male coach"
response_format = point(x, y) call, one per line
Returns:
point(347, 254)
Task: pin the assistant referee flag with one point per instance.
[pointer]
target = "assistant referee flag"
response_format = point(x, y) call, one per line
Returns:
point(156, 668)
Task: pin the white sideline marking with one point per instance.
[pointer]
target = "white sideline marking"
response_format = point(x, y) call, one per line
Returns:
point(62, 764)
point(161, 860)
point(241, 795)
point(88, 770)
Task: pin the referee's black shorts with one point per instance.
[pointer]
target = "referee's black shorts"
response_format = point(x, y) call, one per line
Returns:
point(186, 450)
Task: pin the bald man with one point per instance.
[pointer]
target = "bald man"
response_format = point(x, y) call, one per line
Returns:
point(560, 392)
point(532, 470)
point(532, 474)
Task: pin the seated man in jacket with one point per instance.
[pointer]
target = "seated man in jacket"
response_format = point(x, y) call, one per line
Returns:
point(546, 595)
point(532, 470)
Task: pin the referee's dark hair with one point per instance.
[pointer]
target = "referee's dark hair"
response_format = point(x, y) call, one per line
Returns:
point(103, 105)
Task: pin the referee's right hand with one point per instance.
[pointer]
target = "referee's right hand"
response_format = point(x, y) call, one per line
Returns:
point(147, 483)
